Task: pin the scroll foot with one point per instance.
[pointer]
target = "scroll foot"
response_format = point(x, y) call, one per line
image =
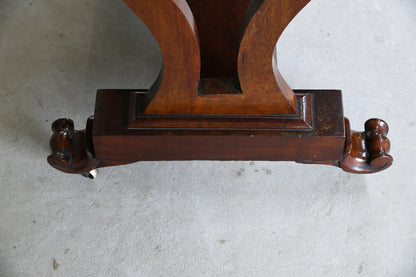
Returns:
point(72, 150)
point(367, 152)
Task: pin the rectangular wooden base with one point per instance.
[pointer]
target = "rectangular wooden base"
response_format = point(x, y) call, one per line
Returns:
point(323, 141)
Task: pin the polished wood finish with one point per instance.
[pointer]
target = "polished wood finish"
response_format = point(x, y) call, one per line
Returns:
point(219, 46)
point(172, 24)
point(72, 151)
point(263, 89)
point(261, 138)
point(301, 120)
point(260, 78)
point(368, 151)
point(218, 96)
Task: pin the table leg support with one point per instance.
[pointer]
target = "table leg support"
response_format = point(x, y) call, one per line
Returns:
point(321, 136)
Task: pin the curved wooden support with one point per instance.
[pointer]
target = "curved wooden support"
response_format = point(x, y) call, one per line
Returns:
point(173, 26)
point(218, 96)
point(259, 76)
point(72, 151)
point(367, 152)
point(263, 90)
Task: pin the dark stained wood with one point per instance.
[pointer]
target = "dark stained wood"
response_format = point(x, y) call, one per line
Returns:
point(173, 25)
point(368, 151)
point(219, 25)
point(263, 89)
point(302, 120)
point(72, 151)
point(323, 141)
point(218, 97)
point(259, 76)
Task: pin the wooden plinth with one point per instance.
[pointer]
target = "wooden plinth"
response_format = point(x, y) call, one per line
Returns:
point(319, 134)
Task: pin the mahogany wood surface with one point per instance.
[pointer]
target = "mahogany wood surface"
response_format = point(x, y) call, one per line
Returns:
point(322, 141)
point(173, 25)
point(299, 121)
point(218, 97)
point(72, 151)
point(259, 76)
point(219, 26)
point(263, 89)
point(368, 151)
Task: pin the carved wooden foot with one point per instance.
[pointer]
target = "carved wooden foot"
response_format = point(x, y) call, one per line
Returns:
point(72, 151)
point(367, 152)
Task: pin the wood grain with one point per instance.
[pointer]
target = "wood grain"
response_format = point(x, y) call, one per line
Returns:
point(219, 28)
point(219, 97)
point(256, 140)
point(368, 151)
point(261, 23)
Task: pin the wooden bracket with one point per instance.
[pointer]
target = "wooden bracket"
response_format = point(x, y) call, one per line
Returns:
point(219, 96)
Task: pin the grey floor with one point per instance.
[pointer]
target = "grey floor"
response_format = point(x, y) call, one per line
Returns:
point(202, 218)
